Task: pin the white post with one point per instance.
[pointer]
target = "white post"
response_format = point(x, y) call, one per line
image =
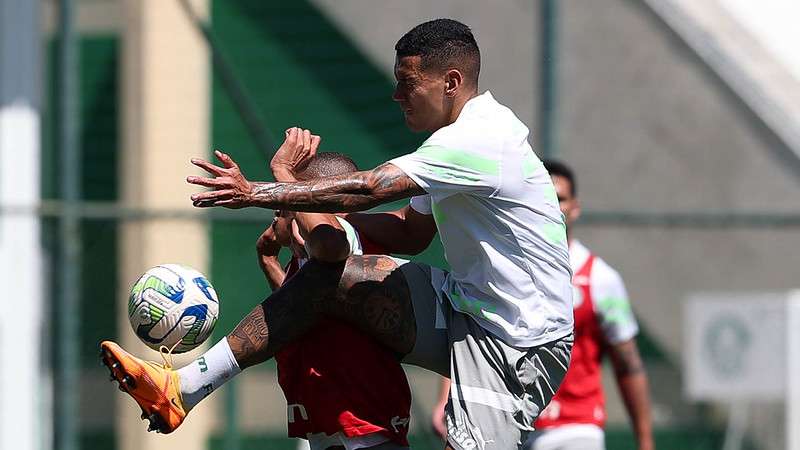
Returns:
point(793, 371)
point(737, 424)
point(23, 390)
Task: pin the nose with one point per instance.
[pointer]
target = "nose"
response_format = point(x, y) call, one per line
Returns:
point(397, 95)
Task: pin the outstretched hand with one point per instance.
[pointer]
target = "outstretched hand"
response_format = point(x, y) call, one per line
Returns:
point(230, 188)
point(294, 154)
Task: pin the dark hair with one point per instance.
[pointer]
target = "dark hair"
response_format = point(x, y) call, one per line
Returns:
point(327, 164)
point(558, 168)
point(443, 44)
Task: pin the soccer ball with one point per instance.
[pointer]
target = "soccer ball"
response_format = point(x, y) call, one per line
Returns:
point(173, 305)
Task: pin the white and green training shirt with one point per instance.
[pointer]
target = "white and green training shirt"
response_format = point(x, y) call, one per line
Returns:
point(498, 218)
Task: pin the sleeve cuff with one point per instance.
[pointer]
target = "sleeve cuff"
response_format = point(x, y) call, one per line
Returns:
point(408, 168)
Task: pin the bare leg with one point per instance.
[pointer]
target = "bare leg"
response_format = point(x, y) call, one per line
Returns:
point(369, 292)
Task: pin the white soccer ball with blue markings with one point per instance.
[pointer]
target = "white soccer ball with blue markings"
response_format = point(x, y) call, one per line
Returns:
point(173, 305)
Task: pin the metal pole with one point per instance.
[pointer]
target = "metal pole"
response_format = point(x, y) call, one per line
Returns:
point(548, 78)
point(723, 219)
point(67, 382)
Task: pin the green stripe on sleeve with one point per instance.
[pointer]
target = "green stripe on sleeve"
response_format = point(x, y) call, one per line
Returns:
point(615, 310)
point(460, 158)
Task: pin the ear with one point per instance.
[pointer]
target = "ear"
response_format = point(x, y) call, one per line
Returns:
point(297, 234)
point(453, 80)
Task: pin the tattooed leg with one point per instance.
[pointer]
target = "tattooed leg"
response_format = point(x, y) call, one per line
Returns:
point(374, 297)
point(249, 339)
point(368, 292)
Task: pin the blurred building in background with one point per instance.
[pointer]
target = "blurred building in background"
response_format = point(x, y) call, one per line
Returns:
point(681, 118)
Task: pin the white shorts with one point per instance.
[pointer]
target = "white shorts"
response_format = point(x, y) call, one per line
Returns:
point(567, 437)
point(497, 390)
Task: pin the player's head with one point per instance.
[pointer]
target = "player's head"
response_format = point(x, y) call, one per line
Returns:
point(325, 164)
point(436, 67)
point(566, 189)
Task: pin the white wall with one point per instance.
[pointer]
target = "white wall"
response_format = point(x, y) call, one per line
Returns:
point(24, 386)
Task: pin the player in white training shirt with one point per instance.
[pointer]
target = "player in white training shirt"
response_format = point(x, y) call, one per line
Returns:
point(500, 324)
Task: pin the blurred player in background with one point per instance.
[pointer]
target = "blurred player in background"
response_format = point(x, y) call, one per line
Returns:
point(604, 323)
point(343, 390)
point(499, 323)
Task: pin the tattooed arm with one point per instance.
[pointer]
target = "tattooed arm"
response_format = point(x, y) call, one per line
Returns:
point(352, 192)
point(632, 382)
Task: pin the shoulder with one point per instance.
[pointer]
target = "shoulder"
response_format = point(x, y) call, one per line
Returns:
point(484, 125)
point(457, 135)
point(611, 303)
point(605, 278)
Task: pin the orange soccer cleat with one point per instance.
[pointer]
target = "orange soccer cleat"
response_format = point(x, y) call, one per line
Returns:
point(155, 387)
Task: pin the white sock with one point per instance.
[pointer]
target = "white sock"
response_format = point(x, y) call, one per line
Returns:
point(207, 373)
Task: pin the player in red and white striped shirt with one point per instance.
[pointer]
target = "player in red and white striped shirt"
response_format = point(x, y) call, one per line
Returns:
point(343, 389)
